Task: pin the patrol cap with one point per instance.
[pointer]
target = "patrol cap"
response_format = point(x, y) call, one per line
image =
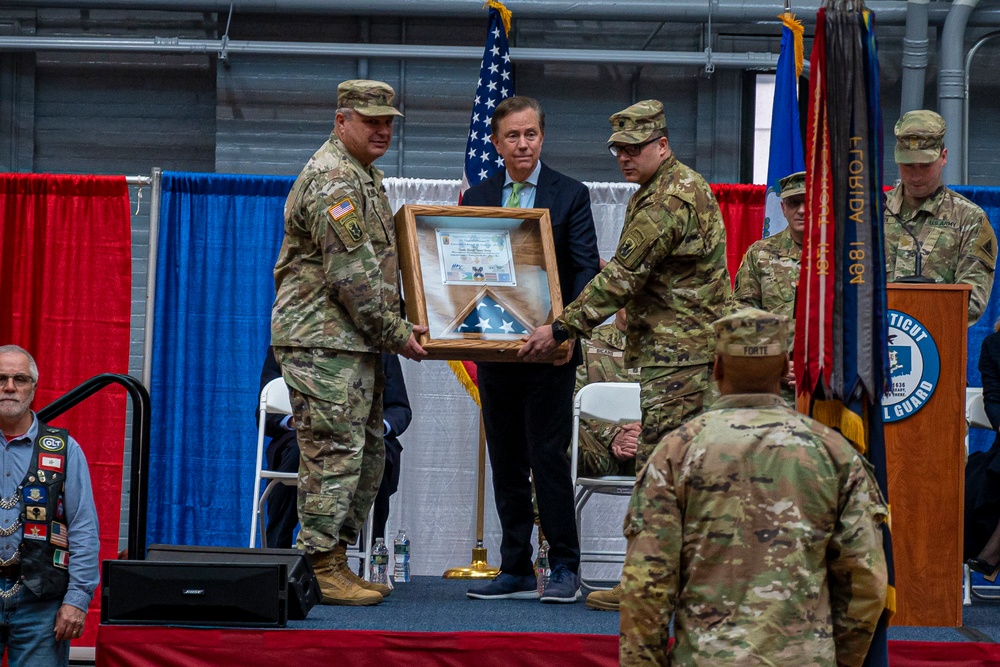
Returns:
point(751, 332)
point(367, 97)
point(919, 137)
point(793, 184)
point(635, 124)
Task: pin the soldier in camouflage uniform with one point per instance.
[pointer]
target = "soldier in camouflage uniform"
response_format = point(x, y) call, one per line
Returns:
point(669, 273)
point(754, 527)
point(337, 306)
point(770, 270)
point(606, 449)
point(956, 243)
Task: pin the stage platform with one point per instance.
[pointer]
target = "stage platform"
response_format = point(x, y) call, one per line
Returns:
point(429, 621)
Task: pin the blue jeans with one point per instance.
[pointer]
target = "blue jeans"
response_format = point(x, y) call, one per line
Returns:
point(27, 630)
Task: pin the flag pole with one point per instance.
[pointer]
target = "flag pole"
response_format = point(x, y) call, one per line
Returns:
point(480, 567)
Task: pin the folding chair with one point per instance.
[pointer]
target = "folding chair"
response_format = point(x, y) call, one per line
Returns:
point(274, 400)
point(616, 402)
point(975, 417)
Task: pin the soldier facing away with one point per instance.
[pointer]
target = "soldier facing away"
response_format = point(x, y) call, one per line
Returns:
point(336, 308)
point(924, 219)
point(754, 527)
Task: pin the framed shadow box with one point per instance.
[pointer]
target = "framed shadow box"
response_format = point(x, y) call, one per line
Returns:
point(478, 277)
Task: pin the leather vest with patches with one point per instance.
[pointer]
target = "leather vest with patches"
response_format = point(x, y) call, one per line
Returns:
point(45, 546)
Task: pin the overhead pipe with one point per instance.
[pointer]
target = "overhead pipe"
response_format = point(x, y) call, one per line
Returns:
point(747, 60)
point(915, 45)
point(889, 12)
point(966, 101)
point(951, 86)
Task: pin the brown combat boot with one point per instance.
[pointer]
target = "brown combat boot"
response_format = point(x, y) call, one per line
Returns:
point(340, 560)
point(335, 587)
point(605, 600)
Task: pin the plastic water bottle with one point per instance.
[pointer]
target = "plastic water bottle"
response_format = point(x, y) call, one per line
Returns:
point(380, 563)
point(401, 554)
point(543, 571)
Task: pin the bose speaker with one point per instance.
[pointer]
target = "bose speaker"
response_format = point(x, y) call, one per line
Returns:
point(228, 586)
point(147, 592)
point(303, 589)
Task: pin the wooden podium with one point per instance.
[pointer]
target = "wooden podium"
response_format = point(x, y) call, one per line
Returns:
point(926, 464)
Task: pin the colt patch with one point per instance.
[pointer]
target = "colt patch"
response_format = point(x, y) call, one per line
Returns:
point(51, 444)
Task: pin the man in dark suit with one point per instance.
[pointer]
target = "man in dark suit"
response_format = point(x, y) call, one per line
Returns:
point(283, 453)
point(528, 408)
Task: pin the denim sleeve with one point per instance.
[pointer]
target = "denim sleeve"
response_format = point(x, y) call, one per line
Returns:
point(84, 544)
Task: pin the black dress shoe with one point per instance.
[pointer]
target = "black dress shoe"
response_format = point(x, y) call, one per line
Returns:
point(988, 571)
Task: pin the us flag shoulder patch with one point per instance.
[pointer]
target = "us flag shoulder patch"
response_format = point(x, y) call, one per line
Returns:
point(338, 211)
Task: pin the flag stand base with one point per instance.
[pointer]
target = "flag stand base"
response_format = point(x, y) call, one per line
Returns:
point(478, 569)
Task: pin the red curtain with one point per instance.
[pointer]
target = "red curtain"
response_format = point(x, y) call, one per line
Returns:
point(66, 272)
point(743, 211)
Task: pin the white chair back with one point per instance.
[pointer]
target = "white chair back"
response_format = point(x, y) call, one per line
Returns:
point(273, 400)
point(975, 410)
point(614, 402)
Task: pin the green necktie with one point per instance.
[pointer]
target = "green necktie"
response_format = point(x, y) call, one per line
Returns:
point(514, 201)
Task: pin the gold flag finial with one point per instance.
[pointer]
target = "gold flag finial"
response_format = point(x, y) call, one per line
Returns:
point(505, 14)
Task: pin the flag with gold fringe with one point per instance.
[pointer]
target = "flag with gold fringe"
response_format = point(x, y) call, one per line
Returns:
point(496, 83)
point(841, 352)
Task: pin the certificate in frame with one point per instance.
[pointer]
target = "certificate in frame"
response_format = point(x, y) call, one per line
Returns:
point(479, 277)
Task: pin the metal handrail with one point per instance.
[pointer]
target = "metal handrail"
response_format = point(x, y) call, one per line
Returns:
point(139, 472)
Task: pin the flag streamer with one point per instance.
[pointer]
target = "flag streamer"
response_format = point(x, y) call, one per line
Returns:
point(841, 349)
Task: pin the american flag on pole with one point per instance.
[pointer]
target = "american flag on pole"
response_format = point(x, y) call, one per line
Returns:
point(496, 83)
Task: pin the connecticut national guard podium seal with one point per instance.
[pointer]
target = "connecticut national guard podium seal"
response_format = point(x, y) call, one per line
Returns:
point(914, 365)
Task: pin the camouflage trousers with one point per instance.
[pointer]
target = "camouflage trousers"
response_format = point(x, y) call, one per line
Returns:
point(336, 401)
point(596, 460)
point(670, 396)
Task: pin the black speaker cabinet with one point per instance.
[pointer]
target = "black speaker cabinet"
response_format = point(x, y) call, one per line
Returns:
point(303, 589)
point(195, 593)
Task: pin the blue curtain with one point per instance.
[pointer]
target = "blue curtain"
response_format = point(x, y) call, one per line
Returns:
point(219, 238)
point(987, 198)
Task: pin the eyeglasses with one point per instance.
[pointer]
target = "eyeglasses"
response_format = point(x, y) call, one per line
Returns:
point(20, 381)
point(632, 150)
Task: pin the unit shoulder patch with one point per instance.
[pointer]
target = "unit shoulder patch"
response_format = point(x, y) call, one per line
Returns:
point(344, 218)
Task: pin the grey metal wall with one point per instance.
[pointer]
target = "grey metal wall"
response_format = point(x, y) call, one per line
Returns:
point(120, 113)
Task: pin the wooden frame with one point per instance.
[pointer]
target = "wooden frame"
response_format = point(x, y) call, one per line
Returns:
point(462, 262)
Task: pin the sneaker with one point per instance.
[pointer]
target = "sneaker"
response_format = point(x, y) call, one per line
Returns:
point(605, 600)
point(507, 587)
point(563, 586)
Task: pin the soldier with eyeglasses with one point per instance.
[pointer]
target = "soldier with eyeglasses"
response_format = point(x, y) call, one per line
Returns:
point(669, 273)
point(48, 526)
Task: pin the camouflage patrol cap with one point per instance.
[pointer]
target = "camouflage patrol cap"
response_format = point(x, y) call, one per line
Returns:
point(750, 332)
point(793, 184)
point(919, 137)
point(367, 97)
point(637, 123)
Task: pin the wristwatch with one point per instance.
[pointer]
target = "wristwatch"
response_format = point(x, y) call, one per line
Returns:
point(559, 332)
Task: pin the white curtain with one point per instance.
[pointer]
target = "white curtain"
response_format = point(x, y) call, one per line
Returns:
point(436, 500)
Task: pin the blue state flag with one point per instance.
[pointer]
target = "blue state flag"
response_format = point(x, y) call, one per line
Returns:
point(785, 152)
